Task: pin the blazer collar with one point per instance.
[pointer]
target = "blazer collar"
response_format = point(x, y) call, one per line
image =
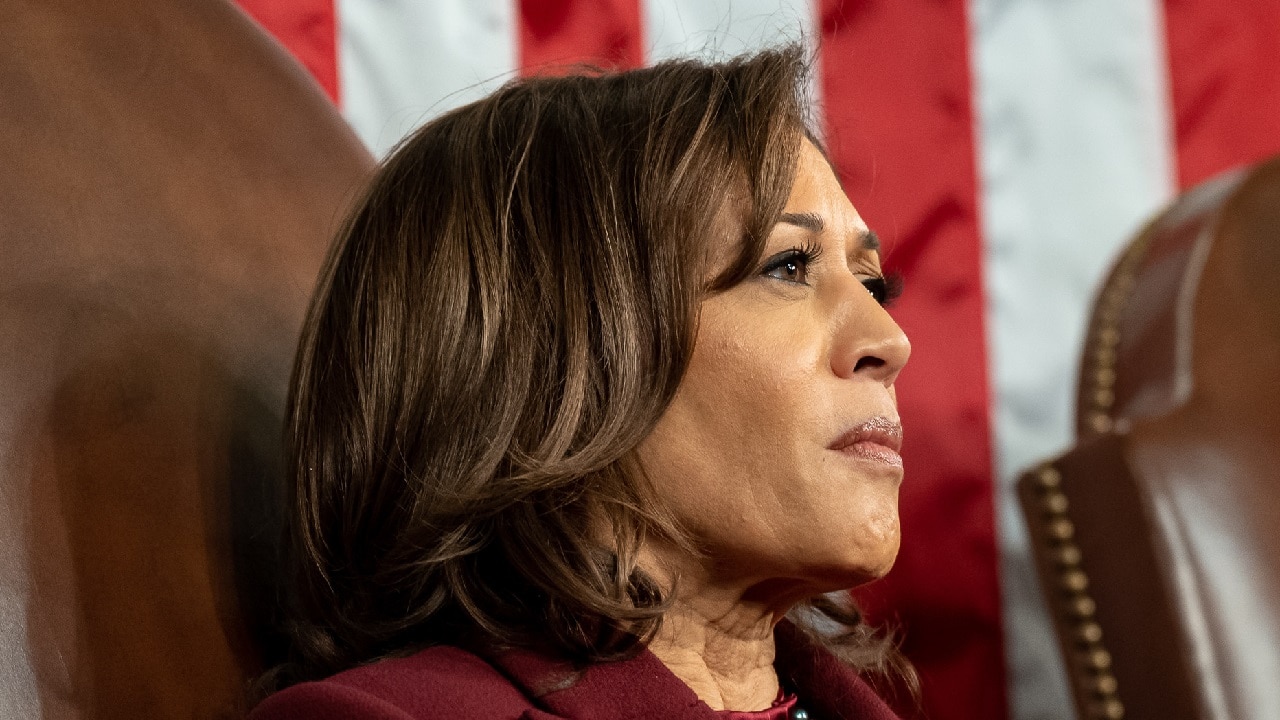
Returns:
point(828, 689)
point(642, 687)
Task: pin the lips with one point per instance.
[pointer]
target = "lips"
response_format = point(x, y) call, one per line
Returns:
point(878, 439)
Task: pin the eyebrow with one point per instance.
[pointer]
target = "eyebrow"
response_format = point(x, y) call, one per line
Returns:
point(814, 223)
point(809, 221)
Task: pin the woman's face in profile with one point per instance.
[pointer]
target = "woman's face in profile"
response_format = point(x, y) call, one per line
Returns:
point(779, 450)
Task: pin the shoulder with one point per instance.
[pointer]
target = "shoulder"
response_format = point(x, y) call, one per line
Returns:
point(434, 683)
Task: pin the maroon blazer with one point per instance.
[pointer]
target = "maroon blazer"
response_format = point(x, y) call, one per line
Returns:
point(446, 683)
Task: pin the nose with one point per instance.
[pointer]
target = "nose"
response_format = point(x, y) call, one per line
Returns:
point(868, 342)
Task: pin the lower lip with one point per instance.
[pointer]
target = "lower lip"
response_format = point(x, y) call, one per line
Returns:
point(874, 451)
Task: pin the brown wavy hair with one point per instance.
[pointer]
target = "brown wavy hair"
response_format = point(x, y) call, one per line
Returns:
point(504, 318)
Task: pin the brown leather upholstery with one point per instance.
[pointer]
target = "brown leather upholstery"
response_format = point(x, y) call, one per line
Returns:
point(1156, 536)
point(169, 180)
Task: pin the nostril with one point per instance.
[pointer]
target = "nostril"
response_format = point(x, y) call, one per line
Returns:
point(869, 361)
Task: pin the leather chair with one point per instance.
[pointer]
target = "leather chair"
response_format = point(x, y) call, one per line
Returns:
point(169, 182)
point(1156, 537)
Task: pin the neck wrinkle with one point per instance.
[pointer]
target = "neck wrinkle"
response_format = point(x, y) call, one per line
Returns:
point(726, 659)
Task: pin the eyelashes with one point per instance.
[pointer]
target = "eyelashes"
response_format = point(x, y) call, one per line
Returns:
point(792, 266)
point(885, 288)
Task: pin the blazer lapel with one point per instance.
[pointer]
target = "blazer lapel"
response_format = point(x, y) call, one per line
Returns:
point(641, 688)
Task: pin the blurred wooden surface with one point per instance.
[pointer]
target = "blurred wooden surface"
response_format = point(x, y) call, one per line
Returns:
point(170, 182)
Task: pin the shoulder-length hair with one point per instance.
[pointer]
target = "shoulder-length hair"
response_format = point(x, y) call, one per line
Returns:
point(504, 318)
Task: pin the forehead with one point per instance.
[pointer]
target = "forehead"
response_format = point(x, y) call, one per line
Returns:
point(817, 190)
point(816, 202)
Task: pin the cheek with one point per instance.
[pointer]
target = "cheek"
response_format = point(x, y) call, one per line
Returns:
point(734, 454)
point(752, 392)
point(723, 423)
point(767, 364)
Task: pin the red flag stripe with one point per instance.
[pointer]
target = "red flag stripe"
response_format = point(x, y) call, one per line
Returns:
point(560, 33)
point(1223, 82)
point(308, 29)
point(900, 125)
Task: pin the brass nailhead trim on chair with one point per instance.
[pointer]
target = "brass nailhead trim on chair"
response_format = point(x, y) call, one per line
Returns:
point(1068, 556)
point(1089, 632)
point(1105, 684)
point(1091, 658)
point(1104, 336)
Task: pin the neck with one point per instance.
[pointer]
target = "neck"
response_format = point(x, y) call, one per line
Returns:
point(722, 650)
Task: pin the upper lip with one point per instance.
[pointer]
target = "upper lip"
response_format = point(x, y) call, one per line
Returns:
point(880, 430)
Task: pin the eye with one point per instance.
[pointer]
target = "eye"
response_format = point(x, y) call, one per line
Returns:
point(885, 289)
point(792, 265)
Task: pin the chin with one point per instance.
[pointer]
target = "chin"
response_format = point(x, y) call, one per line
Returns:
point(851, 572)
point(874, 561)
point(882, 568)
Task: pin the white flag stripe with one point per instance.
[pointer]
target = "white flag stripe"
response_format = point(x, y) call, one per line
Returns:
point(1074, 152)
point(402, 62)
point(722, 28)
